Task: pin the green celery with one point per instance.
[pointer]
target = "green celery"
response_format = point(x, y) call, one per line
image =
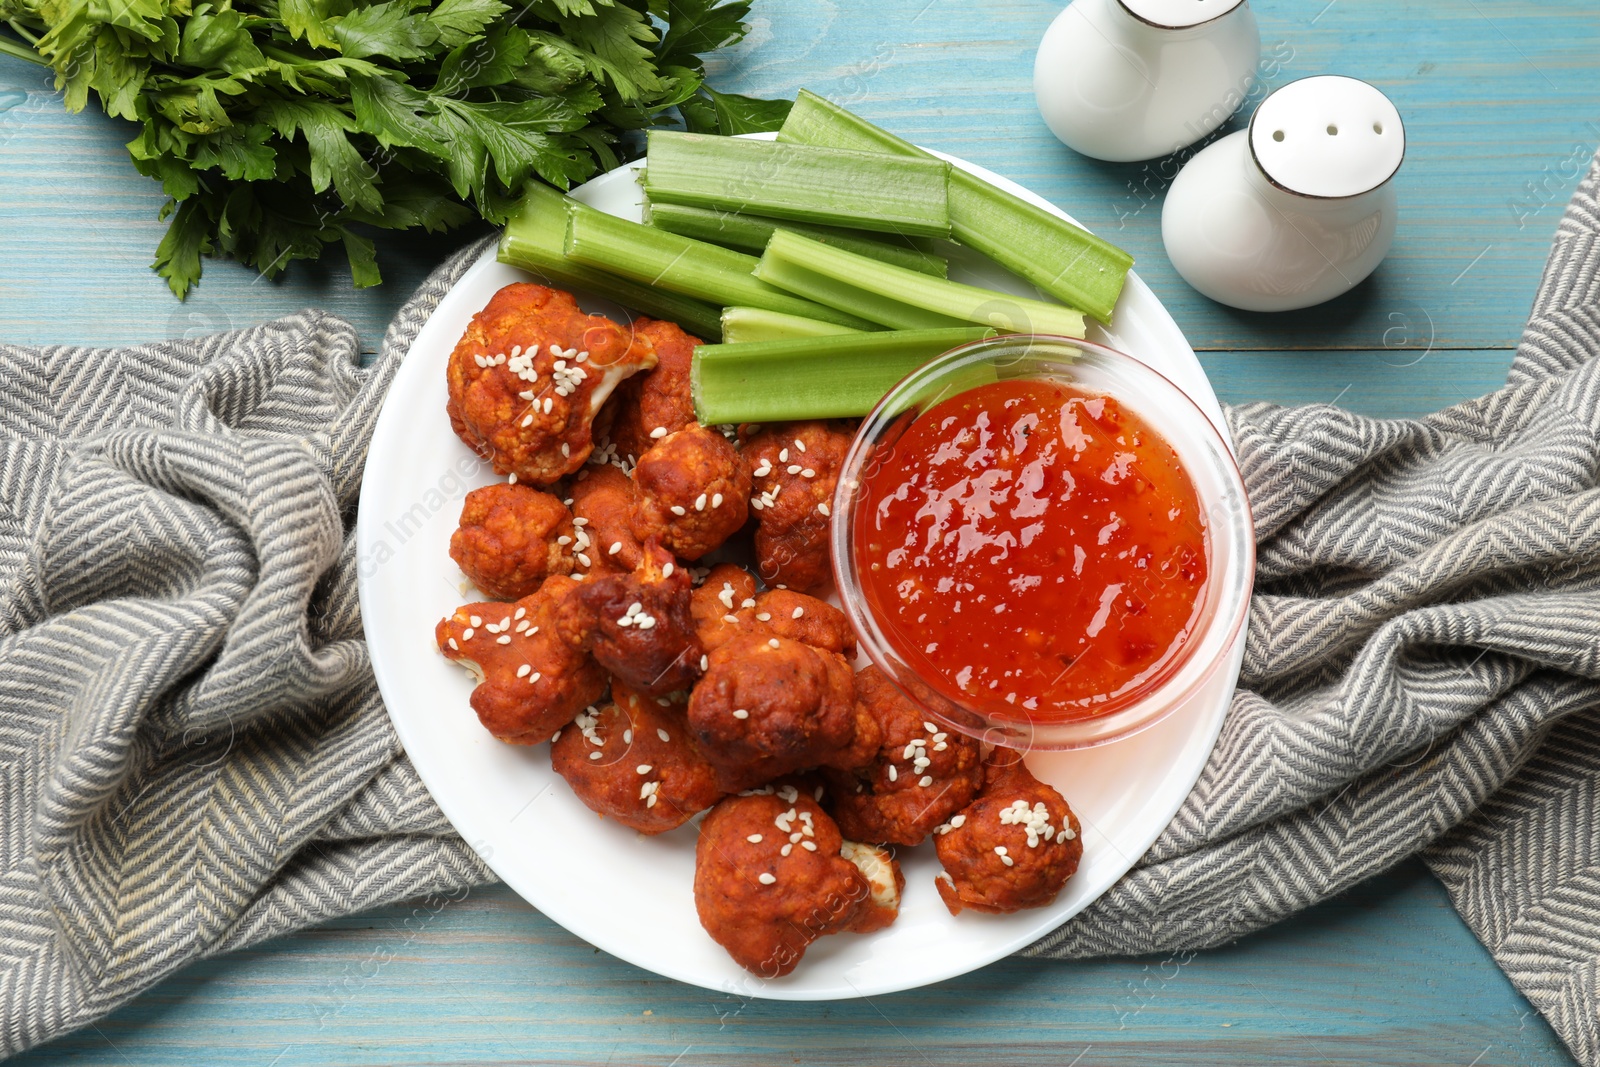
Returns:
point(789, 255)
point(824, 186)
point(852, 299)
point(704, 271)
point(1064, 260)
point(749, 233)
point(811, 378)
point(535, 240)
point(757, 324)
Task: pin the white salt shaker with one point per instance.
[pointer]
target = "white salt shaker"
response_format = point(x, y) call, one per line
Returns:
point(1298, 208)
point(1135, 79)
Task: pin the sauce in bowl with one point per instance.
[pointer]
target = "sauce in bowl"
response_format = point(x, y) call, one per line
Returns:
point(1033, 550)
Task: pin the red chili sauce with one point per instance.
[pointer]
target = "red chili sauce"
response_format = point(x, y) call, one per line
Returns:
point(1032, 550)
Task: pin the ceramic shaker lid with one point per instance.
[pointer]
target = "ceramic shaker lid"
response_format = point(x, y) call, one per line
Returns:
point(1178, 14)
point(1328, 136)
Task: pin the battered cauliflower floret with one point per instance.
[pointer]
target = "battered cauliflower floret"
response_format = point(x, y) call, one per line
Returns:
point(806, 619)
point(769, 706)
point(795, 469)
point(921, 775)
point(602, 498)
point(651, 406)
point(529, 375)
point(633, 760)
point(530, 681)
point(511, 538)
point(691, 489)
point(769, 879)
point(638, 625)
point(724, 606)
point(1012, 848)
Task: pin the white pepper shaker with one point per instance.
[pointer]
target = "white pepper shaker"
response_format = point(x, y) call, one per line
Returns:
point(1296, 209)
point(1123, 80)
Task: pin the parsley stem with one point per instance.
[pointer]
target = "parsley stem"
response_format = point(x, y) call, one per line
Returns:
point(9, 47)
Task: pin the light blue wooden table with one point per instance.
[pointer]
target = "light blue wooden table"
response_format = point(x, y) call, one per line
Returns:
point(1502, 108)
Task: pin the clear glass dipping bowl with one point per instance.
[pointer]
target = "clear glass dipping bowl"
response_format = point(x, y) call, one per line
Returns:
point(1205, 455)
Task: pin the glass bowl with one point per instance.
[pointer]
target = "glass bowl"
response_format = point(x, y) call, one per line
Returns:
point(1229, 535)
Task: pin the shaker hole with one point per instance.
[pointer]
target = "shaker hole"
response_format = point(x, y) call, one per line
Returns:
point(1377, 127)
point(1333, 131)
point(1277, 135)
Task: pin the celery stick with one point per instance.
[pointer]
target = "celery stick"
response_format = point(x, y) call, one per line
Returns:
point(1064, 260)
point(704, 271)
point(825, 186)
point(749, 233)
point(788, 253)
point(535, 240)
point(852, 299)
point(756, 324)
point(811, 378)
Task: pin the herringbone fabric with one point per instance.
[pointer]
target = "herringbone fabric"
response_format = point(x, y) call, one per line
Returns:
point(193, 755)
point(1422, 671)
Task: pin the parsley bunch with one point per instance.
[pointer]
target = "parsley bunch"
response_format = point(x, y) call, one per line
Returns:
point(279, 127)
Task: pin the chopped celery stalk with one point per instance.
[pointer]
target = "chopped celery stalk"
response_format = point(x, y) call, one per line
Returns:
point(756, 324)
point(535, 240)
point(704, 271)
point(811, 378)
point(852, 299)
point(1064, 260)
point(749, 233)
point(788, 253)
point(823, 186)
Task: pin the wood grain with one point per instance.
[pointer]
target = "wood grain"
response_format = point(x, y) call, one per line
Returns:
point(1502, 108)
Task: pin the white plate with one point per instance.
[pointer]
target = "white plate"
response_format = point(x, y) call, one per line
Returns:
point(628, 894)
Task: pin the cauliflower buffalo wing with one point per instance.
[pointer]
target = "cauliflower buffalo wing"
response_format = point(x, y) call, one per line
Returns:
point(511, 538)
point(1012, 848)
point(723, 606)
point(795, 468)
point(651, 406)
point(633, 760)
point(920, 777)
point(691, 489)
point(530, 681)
point(637, 625)
point(529, 375)
point(602, 500)
point(768, 706)
point(772, 875)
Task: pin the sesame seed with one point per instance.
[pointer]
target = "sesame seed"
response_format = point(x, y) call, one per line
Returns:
point(925, 781)
point(454, 645)
point(999, 850)
point(504, 639)
point(716, 500)
point(740, 713)
point(754, 839)
point(663, 735)
point(766, 879)
point(730, 618)
point(527, 420)
point(534, 677)
point(520, 613)
point(783, 457)
point(928, 726)
point(700, 502)
point(801, 445)
point(1008, 861)
point(940, 747)
point(894, 775)
point(627, 736)
point(677, 509)
point(566, 450)
point(705, 664)
point(658, 433)
point(809, 846)
point(956, 821)
point(584, 559)
point(644, 768)
point(476, 620)
point(524, 670)
point(798, 612)
point(764, 617)
point(786, 849)
point(651, 801)
point(511, 479)
point(555, 737)
point(748, 602)
point(772, 642)
point(466, 635)
point(616, 546)
point(808, 473)
point(596, 755)
point(647, 622)
point(793, 468)
point(666, 572)
point(580, 521)
point(563, 540)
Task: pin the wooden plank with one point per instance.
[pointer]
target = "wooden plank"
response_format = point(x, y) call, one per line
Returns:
point(1385, 974)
